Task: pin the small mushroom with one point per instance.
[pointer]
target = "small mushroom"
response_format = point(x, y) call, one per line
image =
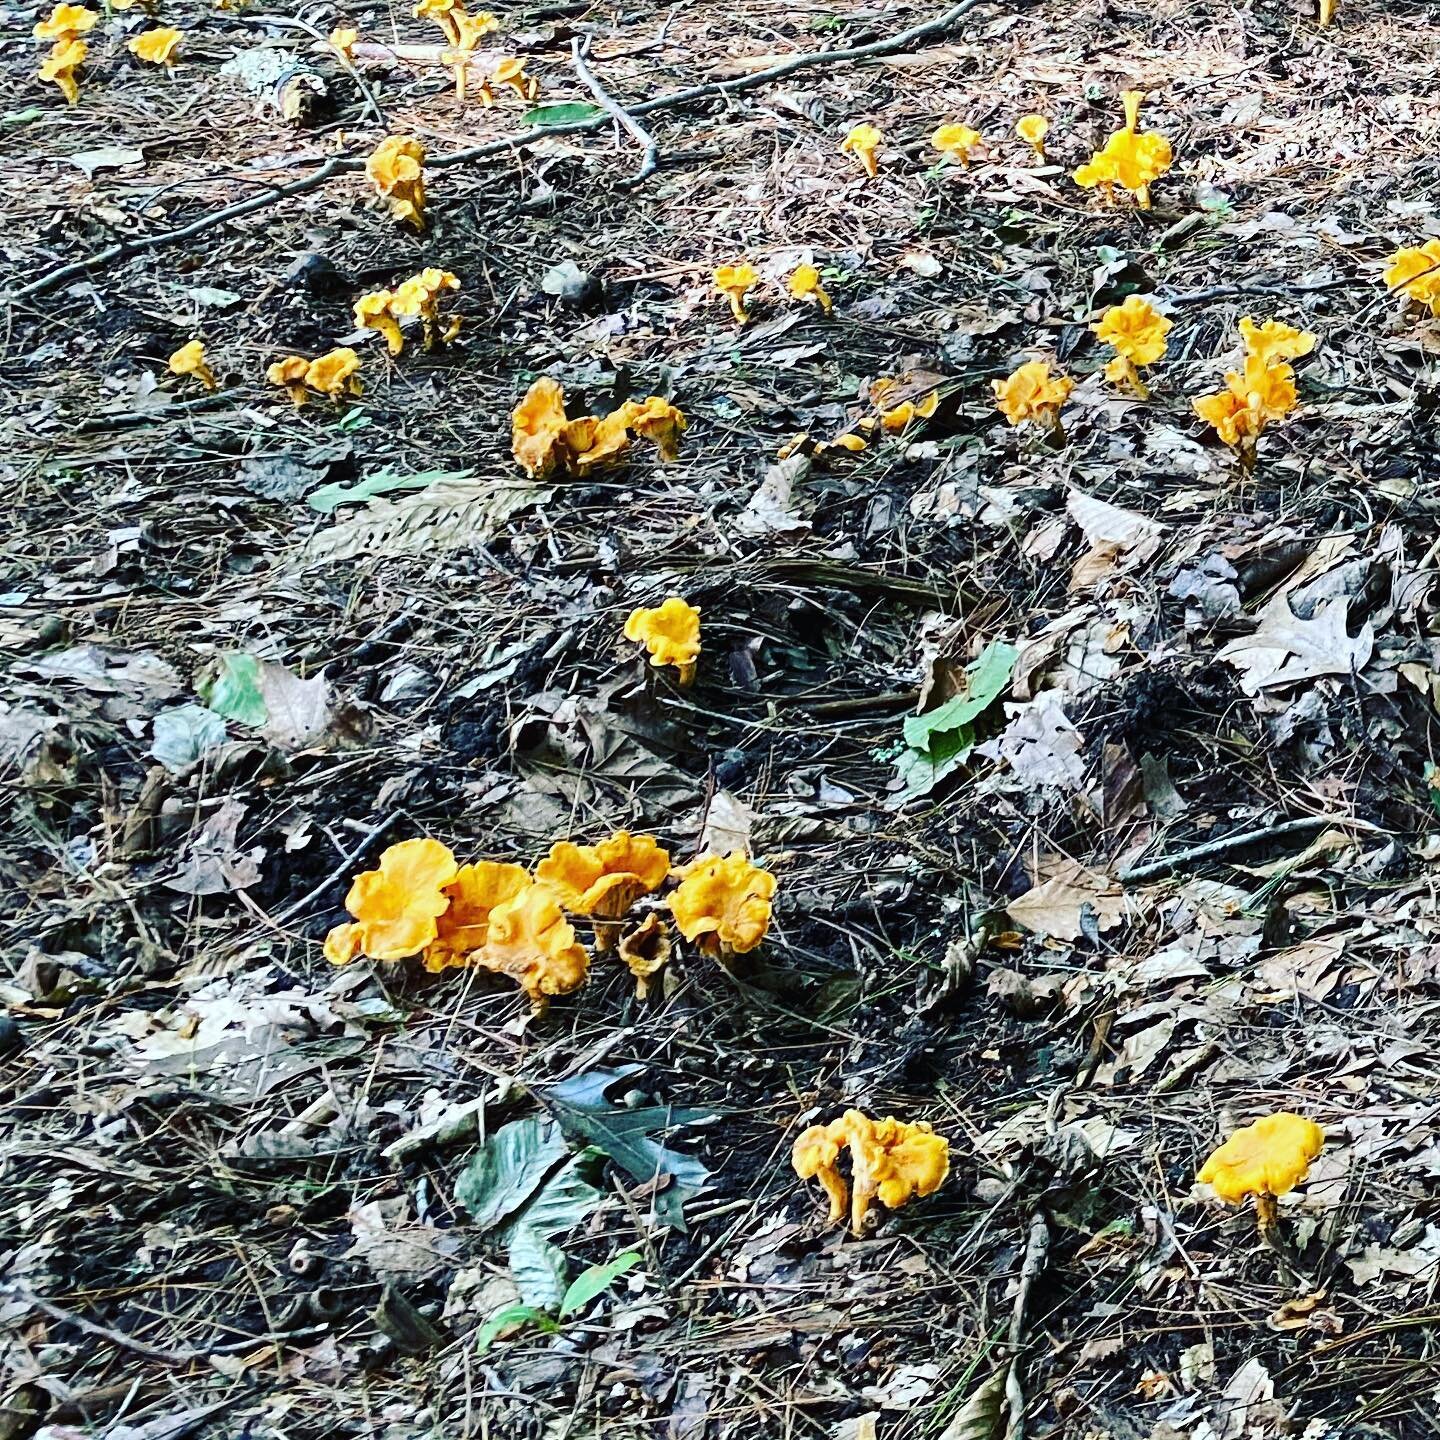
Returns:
point(1267, 1160)
point(65, 22)
point(189, 359)
point(343, 39)
point(671, 633)
point(804, 284)
point(395, 905)
point(1031, 393)
point(1033, 129)
point(734, 282)
point(890, 1161)
point(645, 949)
point(290, 372)
point(376, 311)
point(863, 142)
point(956, 142)
point(1327, 13)
point(1414, 272)
point(722, 904)
point(396, 168)
point(157, 46)
point(604, 880)
point(529, 939)
point(420, 295)
point(473, 894)
point(60, 65)
point(1129, 159)
point(1136, 331)
point(335, 374)
point(510, 73)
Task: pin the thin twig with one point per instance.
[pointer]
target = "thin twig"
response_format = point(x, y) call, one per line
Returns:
point(617, 112)
point(349, 164)
point(347, 863)
point(1225, 845)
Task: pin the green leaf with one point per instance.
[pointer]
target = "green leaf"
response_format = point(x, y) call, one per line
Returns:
point(538, 1267)
point(572, 112)
point(329, 498)
point(939, 741)
point(22, 117)
point(564, 1200)
point(590, 1283)
point(507, 1316)
point(508, 1169)
point(234, 689)
point(626, 1136)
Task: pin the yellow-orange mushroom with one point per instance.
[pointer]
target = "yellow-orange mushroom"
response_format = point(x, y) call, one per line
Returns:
point(1129, 159)
point(956, 142)
point(1033, 129)
point(864, 142)
point(60, 65)
point(376, 311)
point(734, 282)
point(189, 359)
point(464, 927)
point(722, 904)
point(804, 284)
point(1267, 1159)
point(603, 880)
point(342, 39)
point(396, 169)
point(65, 22)
point(890, 1161)
point(156, 47)
point(529, 939)
point(510, 74)
point(671, 633)
point(335, 374)
point(1031, 393)
point(396, 905)
point(420, 295)
point(290, 372)
point(1136, 331)
point(1414, 272)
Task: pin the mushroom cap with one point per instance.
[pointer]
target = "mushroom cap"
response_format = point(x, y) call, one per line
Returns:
point(536, 426)
point(531, 941)
point(670, 631)
point(473, 894)
point(1274, 340)
point(395, 905)
point(739, 278)
point(863, 136)
point(723, 904)
point(396, 160)
point(1032, 128)
point(65, 22)
point(65, 58)
point(371, 306)
point(155, 46)
point(955, 139)
point(507, 70)
point(603, 879)
point(1414, 271)
point(1135, 329)
point(657, 420)
point(289, 371)
point(334, 371)
point(1270, 1157)
point(1031, 393)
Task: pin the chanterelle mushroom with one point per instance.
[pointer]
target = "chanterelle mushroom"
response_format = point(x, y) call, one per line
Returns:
point(671, 633)
point(189, 359)
point(156, 47)
point(734, 282)
point(722, 905)
point(395, 905)
point(890, 1161)
point(1267, 1159)
point(864, 142)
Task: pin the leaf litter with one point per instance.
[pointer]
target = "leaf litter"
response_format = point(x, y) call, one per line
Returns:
point(958, 689)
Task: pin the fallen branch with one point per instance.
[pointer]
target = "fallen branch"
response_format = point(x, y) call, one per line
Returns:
point(617, 112)
point(345, 165)
point(1226, 845)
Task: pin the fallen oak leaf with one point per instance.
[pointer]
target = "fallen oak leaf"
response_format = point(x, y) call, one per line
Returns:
point(1285, 648)
point(1056, 907)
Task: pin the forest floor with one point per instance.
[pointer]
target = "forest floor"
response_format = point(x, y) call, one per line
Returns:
point(1187, 876)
